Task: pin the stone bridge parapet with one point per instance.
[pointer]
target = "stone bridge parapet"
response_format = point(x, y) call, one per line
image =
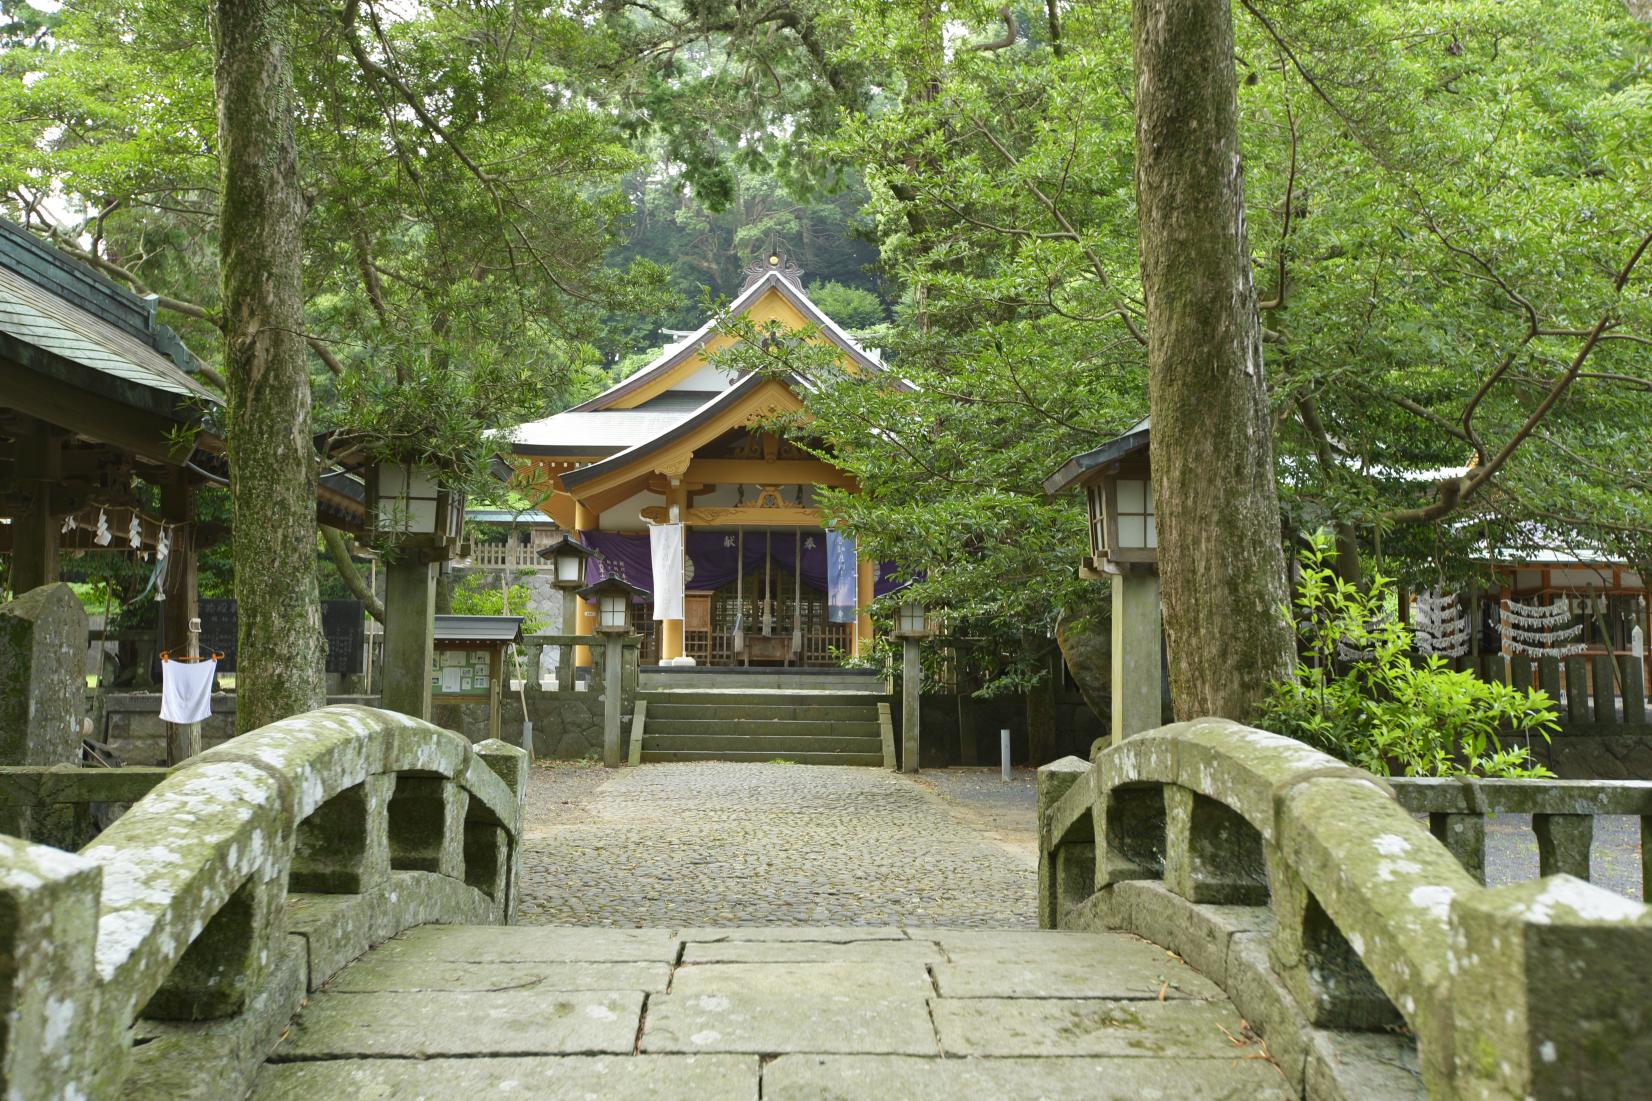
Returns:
point(165, 958)
point(1369, 957)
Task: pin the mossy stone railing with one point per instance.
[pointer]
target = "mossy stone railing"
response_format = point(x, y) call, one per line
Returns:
point(165, 958)
point(1339, 924)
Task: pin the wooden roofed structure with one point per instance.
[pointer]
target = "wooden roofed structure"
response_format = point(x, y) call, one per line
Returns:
point(683, 440)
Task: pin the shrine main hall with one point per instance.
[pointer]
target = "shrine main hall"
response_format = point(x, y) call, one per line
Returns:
point(679, 455)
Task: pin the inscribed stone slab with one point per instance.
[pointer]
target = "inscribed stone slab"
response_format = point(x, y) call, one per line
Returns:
point(1027, 1026)
point(776, 1023)
point(429, 1024)
point(565, 1078)
point(865, 1077)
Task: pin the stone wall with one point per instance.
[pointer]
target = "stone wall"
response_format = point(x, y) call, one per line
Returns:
point(567, 726)
point(1598, 754)
point(130, 722)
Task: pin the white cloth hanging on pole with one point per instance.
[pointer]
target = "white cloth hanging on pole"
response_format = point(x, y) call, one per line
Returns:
point(186, 690)
point(665, 548)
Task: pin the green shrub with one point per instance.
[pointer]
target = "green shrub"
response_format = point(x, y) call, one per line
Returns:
point(479, 594)
point(1384, 708)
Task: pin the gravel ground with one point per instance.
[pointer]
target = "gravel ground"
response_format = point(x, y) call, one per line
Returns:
point(717, 843)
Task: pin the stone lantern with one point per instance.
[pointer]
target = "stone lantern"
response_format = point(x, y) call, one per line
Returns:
point(567, 556)
point(425, 519)
point(912, 626)
point(614, 597)
point(1117, 480)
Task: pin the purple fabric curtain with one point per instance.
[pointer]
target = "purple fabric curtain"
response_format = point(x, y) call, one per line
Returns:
point(711, 557)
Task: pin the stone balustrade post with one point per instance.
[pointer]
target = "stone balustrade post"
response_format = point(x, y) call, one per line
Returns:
point(1322, 970)
point(1464, 836)
point(1550, 976)
point(344, 847)
point(52, 1039)
point(511, 765)
point(427, 825)
point(1211, 853)
point(1563, 842)
point(1063, 880)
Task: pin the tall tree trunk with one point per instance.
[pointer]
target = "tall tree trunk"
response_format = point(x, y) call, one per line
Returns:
point(1213, 480)
point(272, 458)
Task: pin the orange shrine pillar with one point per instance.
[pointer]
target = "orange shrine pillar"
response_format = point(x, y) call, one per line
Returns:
point(585, 622)
point(865, 576)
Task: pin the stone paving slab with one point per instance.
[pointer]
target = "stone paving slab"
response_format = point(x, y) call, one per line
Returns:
point(565, 1078)
point(1013, 943)
point(825, 934)
point(768, 1023)
point(880, 1077)
point(874, 952)
point(1116, 966)
point(1028, 1026)
point(485, 944)
point(814, 977)
point(810, 999)
point(378, 972)
point(422, 1025)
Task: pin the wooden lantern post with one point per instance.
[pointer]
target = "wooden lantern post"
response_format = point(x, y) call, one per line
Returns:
point(1124, 548)
point(911, 627)
point(409, 503)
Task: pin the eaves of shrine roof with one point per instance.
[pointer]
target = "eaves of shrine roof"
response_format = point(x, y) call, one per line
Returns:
point(693, 344)
point(699, 420)
point(599, 432)
point(74, 328)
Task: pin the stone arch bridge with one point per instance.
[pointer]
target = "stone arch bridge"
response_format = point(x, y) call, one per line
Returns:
point(315, 909)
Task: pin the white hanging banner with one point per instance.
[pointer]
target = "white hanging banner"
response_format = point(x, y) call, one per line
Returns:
point(665, 548)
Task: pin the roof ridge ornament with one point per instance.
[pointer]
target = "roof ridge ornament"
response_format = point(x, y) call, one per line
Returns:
point(777, 262)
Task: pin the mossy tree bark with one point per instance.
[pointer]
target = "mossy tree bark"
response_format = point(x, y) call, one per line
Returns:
point(272, 458)
point(1220, 557)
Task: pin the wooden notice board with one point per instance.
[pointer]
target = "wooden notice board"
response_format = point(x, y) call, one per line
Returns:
point(469, 672)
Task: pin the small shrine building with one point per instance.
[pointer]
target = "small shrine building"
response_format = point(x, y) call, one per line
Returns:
point(683, 441)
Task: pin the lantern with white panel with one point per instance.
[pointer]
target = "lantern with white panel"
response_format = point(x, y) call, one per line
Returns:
point(567, 557)
point(409, 500)
point(912, 620)
point(424, 520)
point(614, 598)
point(912, 626)
point(1117, 479)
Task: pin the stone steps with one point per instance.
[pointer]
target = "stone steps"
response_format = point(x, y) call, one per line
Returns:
point(775, 745)
point(797, 757)
point(794, 729)
point(662, 708)
point(809, 726)
point(817, 680)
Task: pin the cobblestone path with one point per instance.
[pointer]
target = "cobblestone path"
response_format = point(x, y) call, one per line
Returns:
point(723, 844)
